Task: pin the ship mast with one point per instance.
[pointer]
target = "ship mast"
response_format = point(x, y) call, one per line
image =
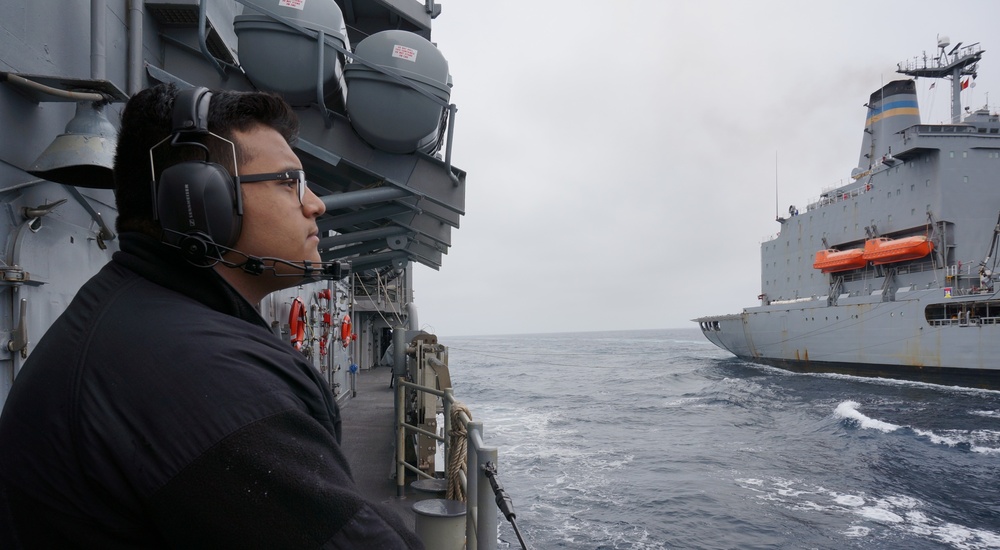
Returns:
point(953, 64)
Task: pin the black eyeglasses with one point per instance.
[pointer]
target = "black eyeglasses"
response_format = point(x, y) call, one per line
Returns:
point(299, 176)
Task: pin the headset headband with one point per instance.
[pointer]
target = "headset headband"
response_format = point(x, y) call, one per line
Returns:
point(190, 113)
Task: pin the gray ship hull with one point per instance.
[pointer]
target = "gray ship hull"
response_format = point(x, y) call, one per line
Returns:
point(868, 337)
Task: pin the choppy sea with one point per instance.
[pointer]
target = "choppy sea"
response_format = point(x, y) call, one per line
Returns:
point(657, 439)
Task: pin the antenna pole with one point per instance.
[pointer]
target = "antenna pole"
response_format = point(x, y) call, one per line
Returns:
point(777, 214)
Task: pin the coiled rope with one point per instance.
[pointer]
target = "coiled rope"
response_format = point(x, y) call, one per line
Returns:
point(458, 451)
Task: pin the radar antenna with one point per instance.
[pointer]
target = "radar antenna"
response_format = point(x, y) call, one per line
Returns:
point(951, 65)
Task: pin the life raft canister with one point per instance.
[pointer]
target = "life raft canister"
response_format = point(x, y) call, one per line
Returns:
point(297, 323)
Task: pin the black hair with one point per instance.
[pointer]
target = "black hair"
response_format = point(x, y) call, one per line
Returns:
point(147, 120)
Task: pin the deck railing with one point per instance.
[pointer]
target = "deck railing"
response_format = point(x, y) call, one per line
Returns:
point(480, 508)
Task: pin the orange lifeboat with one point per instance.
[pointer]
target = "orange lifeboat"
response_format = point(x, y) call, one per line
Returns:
point(830, 261)
point(886, 251)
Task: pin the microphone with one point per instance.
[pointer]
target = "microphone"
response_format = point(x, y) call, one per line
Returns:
point(201, 251)
point(255, 265)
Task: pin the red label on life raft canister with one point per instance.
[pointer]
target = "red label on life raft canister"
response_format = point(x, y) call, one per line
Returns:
point(402, 52)
point(297, 4)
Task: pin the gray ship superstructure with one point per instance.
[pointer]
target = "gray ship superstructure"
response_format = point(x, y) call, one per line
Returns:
point(893, 273)
point(379, 159)
point(372, 93)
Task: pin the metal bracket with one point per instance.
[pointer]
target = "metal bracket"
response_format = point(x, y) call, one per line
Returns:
point(19, 338)
point(15, 275)
point(105, 233)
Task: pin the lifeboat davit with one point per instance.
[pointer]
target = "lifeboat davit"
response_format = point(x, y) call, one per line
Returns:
point(831, 261)
point(886, 251)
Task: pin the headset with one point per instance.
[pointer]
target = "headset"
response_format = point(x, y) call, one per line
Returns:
point(197, 203)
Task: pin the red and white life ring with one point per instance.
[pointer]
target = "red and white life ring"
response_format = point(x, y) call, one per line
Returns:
point(297, 323)
point(345, 330)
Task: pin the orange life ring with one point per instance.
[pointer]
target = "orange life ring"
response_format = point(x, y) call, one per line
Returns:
point(345, 330)
point(297, 323)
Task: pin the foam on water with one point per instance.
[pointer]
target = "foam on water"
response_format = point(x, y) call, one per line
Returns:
point(849, 410)
point(869, 516)
point(977, 441)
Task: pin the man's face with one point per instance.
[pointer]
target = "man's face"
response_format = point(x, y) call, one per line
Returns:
point(275, 224)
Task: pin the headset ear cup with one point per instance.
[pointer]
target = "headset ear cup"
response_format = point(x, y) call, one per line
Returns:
point(198, 198)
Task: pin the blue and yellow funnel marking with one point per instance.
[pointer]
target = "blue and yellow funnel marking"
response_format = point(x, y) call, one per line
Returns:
point(891, 109)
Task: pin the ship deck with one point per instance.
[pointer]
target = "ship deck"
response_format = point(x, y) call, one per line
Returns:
point(368, 441)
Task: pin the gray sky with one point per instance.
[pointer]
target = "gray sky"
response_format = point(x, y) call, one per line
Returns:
point(621, 156)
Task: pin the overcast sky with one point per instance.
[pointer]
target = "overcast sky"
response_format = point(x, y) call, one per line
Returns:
point(621, 156)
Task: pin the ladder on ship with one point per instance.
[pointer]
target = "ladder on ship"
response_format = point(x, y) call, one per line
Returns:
point(836, 285)
point(887, 285)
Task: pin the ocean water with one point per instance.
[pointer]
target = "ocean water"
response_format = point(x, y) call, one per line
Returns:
point(657, 439)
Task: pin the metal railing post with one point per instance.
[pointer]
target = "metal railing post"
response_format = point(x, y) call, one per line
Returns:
point(486, 519)
point(474, 435)
point(449, 399)
point(400, 439)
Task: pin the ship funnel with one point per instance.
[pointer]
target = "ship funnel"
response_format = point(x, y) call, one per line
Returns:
point(84, 155)
point(891, 110)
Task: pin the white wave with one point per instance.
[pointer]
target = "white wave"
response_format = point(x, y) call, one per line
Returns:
point(962, 537)
point(849, 410)
point(950, 441)
point(879, 515)
point(872, 515)
point(979, 441)
point(856, 532)
point(684, 402)
point(849, 500)
point(875, 380)
point(751, 481)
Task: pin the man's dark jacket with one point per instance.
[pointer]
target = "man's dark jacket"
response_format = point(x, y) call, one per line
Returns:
point(160, 411)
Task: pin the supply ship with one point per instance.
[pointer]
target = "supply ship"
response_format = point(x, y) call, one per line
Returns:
point(894, 273)
point(372, 93)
